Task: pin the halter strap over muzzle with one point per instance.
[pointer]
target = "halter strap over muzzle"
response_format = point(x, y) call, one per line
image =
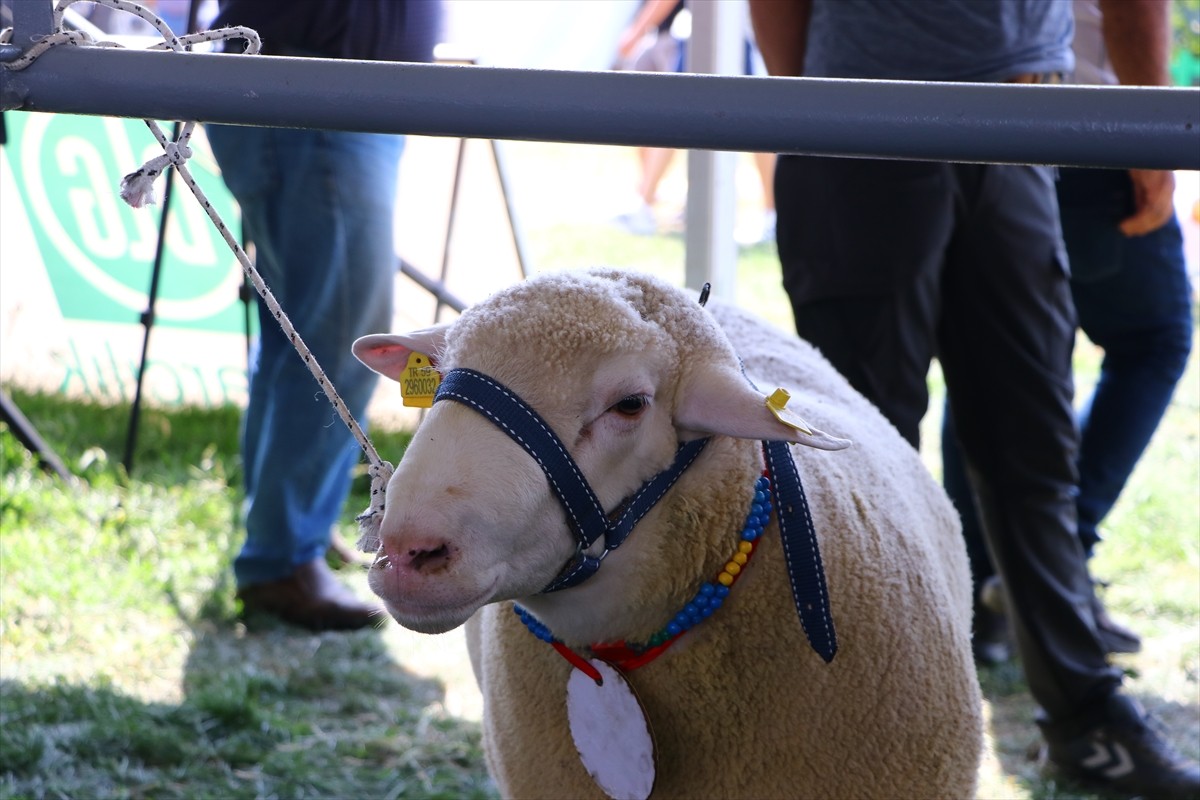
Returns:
point(585, 515)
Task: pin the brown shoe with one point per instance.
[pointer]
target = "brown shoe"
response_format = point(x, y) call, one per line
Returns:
point(310, 597)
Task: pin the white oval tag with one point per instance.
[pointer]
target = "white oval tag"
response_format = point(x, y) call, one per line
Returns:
point(611, 733)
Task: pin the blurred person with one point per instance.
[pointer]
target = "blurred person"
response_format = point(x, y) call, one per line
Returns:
point(647, 44)
point(655, 41)
point(889, 263)
point(1132, 294)
point(319, 207)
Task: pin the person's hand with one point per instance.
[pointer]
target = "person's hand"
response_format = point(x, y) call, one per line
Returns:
point(1153, 201)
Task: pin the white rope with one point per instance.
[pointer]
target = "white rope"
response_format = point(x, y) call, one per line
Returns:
point(137, 189)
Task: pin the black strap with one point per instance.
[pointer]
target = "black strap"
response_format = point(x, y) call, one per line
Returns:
point(527, 428)
point(585, 516)
point(800, 549)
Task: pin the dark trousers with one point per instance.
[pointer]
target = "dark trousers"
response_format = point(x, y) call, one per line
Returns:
point(889, 264)
point(1133, 299)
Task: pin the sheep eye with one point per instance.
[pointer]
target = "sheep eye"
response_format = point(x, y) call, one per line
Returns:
point(630, 406)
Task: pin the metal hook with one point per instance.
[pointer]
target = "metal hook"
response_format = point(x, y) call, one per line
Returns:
point(704, 290)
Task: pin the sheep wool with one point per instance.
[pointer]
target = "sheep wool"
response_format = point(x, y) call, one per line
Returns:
point(740, 705)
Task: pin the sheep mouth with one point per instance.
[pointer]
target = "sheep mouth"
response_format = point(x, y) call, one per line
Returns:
point(437, 614)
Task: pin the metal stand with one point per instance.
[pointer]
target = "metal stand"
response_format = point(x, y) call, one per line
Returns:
point(438, 287)
point(27, 435)
point(147, 317)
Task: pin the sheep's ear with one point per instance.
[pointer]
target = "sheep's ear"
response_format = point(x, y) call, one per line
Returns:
point(721, 401)
point(387, 353)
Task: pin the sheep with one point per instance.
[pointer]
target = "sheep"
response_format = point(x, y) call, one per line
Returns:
point(623, 367)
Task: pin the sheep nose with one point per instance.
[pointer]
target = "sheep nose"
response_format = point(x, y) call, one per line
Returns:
point(421, 558)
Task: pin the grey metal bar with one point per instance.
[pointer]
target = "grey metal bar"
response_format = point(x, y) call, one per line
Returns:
point(435, 288)
point(455, 188)
point(1124, 127)
point(506, 193)
point(31, 21)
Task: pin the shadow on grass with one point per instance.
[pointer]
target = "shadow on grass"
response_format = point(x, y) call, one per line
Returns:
point(1017, 742)
point(277, 712)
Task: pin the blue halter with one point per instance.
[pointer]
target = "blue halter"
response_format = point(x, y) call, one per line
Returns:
point(587, 519)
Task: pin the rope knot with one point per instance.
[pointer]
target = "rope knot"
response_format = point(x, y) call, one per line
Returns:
point(178, 152)
point(137, 188)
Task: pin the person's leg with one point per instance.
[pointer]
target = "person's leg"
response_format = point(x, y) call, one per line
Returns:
point(1005, 341)
point(989, 628)
point(958, 487)
point(319, 208)
point(1006, 350)
point(664, 55)
point(1134, 301)
point(764, 164)
point(655, 161)
point(860, 245)
point(762, 228)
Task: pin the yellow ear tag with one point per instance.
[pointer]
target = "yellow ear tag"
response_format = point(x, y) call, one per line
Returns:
point(777, 402)
point(419, 381)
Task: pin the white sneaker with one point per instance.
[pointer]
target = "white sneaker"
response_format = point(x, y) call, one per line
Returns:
point(757, 231)
point(768, 226)
point(640, 221)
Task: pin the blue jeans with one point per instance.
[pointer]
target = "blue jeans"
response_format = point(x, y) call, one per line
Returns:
point(1133, 299)
point(319, 207)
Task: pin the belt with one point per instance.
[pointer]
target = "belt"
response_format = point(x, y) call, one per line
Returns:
point(1036, 77)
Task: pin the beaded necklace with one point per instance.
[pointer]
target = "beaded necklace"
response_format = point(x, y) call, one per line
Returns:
point(707, 600)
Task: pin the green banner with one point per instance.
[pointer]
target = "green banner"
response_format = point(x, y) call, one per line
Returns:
point(99, 252)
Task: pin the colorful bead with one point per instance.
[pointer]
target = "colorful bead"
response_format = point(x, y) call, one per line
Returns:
point(710, 596)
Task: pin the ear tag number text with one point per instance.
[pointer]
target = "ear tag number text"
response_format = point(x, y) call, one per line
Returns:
point(419, 381)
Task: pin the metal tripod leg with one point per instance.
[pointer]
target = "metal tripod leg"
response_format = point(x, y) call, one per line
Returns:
point(23, 429)
point(155, 274)
point(147, 317)
point(438, 287)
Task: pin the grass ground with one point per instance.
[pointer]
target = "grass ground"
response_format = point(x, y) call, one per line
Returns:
point(124, 671)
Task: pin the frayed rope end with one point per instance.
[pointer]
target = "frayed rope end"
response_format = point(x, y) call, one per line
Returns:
point(370, 520)
point(137, 188)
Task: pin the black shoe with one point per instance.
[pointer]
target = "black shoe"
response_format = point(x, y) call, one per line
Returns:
point(1120, 753)
point(989, 637)
point(1115, 637)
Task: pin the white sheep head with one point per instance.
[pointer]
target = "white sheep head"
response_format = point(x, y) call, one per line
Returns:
point(622, 367)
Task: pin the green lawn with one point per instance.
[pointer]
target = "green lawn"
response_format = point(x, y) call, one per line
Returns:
point(124, 671)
